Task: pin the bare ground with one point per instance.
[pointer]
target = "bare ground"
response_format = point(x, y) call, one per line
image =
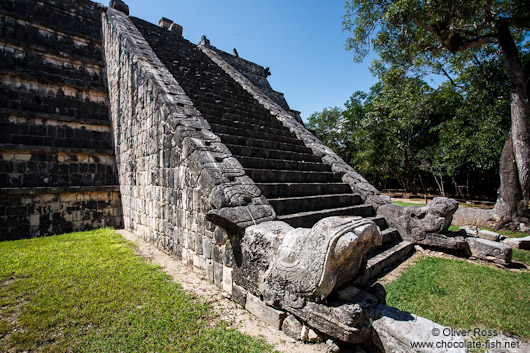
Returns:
point(230, 312)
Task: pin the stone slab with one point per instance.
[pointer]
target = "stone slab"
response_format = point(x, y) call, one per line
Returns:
point(239, 295)
point(227, 280)
point(488, 235)
point(518, 243)
point(397, 331)
point(292, 327)
point(264, 312)
point(490, 250)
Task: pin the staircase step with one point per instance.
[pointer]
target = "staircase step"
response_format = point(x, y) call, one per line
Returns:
point(216, 111)
point(390, 235)
point(313, 203)
point(273, 190)
point(251, 134)
point(229, 121)
point(379, 221)
point(308, 219)
point(248, 151)
point(390, 238)
point(262, 144)
point(387, 259)
point(286, 176)
point(267, 163)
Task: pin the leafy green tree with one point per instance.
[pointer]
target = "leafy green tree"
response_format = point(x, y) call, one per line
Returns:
point(328, 126)
point(424, 36)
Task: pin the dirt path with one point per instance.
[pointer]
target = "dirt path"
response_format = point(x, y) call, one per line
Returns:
point(230, 312)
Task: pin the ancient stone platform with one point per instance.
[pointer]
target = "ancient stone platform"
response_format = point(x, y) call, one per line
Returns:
point(57, 164)
point(108, 120)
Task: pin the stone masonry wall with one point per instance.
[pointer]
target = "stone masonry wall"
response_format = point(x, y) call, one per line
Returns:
point(57, 165)
point(173, 171)
point(48, 211)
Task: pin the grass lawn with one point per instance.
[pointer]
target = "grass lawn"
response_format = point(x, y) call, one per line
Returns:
point(89, 292)
point(464, 295)
point(406, 204)
point(522, 255)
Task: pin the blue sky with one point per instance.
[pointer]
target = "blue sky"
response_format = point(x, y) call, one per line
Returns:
point(301, 41)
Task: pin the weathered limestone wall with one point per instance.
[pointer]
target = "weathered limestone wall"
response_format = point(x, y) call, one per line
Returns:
point(175, 175)
point(58, 210)
point(57, 165)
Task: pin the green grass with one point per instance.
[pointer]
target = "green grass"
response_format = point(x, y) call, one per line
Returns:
point(464, 295)
point(406, 204)
point(522, 255)
point(508, 233)
point(89, 292)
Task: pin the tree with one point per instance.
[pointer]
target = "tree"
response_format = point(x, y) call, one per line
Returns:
point(423, 35)
point(328, 126)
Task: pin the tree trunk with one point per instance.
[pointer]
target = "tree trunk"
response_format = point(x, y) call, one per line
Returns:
point(513, 197)
point(509, 201)
point(457, 188)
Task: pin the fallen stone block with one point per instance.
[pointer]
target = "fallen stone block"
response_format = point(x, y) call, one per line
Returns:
point(400, 331)
point(518, 243)
point(471, 231)
point(292, 327)
point(263, 312)
point(488, 235)
point(309, 335)
point(490, 250)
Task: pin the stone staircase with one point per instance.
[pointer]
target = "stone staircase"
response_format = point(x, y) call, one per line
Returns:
point(384, 258)
point(299, 186)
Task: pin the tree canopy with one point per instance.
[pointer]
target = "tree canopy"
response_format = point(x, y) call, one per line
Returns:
point(419, 37)
point(406, 134)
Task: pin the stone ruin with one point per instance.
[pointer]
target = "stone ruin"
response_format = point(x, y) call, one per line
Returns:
point(108, 120)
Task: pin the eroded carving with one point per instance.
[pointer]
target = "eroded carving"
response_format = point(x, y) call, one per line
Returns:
point(310, 263)
point(424, 225)
point(303, 270)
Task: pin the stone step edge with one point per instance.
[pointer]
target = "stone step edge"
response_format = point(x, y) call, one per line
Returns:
point(296, 183)
point(286, 160)
point(264, 136)
point(285, 133)
point(377, 264)
point(327, 210)
point(265, 141)
point(58, 190)
point(268, 149)
point(388, 232)
point(376, 220)
point(52, 149)
point(287, 171)
point(244, 117)
point(45, 116)
point(312, 197)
